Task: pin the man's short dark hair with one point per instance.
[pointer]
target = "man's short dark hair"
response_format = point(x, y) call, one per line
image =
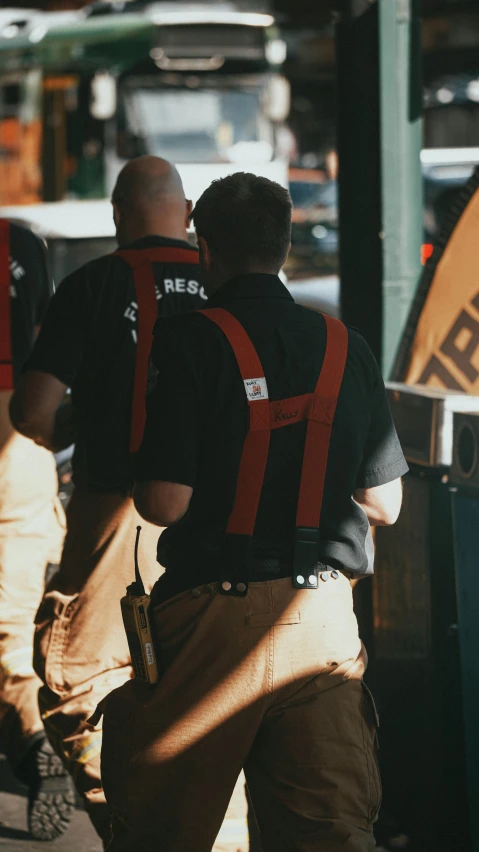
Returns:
point(246, 221)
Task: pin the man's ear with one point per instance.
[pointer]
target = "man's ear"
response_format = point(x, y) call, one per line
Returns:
point(205, 253)
point(116, 213)
point(286, 256)
point(189, 210)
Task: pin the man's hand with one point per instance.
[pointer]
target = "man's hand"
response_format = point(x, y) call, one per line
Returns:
point(162, 503)
point(37, 412)
point(382, 503)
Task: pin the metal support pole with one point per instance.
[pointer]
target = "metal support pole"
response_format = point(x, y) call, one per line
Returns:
point(401, 185)
point(359, 175)
point(380, 183)
point(360, 207)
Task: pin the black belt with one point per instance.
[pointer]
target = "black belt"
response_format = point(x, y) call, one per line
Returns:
point(269, 568)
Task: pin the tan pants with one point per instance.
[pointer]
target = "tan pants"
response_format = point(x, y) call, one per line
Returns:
point(271, 682)
point(81, 652)
point(32, 527)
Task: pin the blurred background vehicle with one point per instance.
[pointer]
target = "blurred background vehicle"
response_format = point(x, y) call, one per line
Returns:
point(81, 92)
point(218, 87)
point(315, 233)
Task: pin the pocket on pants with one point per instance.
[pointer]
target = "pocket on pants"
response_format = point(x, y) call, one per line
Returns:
point(371, 722)
point(53, 625)
point(120, 709)
point(58, 530)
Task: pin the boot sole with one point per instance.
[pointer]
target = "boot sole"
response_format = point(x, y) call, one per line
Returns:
point(52, 802)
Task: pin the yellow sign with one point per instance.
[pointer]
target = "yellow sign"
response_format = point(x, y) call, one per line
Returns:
point(445, 348)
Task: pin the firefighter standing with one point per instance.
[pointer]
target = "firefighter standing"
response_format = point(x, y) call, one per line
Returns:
point(32, 528)
point(96, 339)
point(268, 452)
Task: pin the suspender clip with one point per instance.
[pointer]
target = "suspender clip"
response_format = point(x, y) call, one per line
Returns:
point(234, 565)
point(306, 565)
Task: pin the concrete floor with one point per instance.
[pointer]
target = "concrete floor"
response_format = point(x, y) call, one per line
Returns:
point(14, 836)
point(81, 837)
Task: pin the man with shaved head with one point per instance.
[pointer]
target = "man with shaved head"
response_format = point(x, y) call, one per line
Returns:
point(148, 199)
point(95, 339)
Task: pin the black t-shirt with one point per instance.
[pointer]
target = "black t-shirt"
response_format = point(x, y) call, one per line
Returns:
point(197, 417)
point(88, 341)
point(30, 291)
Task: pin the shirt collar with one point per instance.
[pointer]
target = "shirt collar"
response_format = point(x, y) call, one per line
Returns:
point(255, 285)
point(157, 241)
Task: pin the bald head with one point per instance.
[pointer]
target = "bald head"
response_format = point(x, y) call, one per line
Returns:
point(148, 199)
point(148, 180)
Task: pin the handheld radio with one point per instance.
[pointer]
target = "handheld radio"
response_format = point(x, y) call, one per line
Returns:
point(136, 620)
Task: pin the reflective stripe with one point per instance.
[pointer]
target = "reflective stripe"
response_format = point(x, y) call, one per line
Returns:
point(18, 663)
point(91, 748)
point(88, 747)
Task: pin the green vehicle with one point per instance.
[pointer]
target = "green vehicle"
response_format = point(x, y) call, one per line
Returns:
point(82, 92)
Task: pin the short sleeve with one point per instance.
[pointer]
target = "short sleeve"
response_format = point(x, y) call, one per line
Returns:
point(383, 459)
point(44, 284)
point(60, 345)
point(169, 448)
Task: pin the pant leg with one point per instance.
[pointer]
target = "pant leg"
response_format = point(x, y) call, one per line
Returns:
point(312, 773)
point(235, 832)
point(81, 652)
point(32, 528)
point(172, 753)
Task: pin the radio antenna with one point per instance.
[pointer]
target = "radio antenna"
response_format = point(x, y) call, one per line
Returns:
point(138, 580)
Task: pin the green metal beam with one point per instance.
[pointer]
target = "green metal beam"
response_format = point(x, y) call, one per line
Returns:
point(401, 184)
point(358, 147)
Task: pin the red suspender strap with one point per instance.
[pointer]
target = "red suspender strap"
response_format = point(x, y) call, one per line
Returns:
point(6, 368)
point(140, 262)
point(162, 254)
point(319, 409)
point(320, 423)
point(316, 451)
point(256, 445)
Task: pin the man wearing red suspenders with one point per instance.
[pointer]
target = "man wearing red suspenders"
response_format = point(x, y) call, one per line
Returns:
point(32, 528)
point(268, 452)
point(96, 339)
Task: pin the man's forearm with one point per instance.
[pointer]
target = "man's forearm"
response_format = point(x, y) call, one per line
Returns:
point(54, 433)
point(64, 428)
point(381, 503)
point(374, 516)
point(38, 410)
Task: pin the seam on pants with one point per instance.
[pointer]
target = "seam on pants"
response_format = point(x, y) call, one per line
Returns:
point(271, 643)
point(365, 734)
point(270, 660)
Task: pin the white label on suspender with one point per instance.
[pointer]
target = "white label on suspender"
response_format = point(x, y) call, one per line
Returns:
point(256, 389)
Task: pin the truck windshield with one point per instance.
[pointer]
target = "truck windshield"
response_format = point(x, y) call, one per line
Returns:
point(201, 125)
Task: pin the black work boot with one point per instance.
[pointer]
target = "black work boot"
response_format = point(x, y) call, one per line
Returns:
point(51, 794)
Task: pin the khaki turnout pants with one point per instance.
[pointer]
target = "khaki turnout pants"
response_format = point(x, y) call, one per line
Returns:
point(81, 652)
point(32, 527)
point(271, 682)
